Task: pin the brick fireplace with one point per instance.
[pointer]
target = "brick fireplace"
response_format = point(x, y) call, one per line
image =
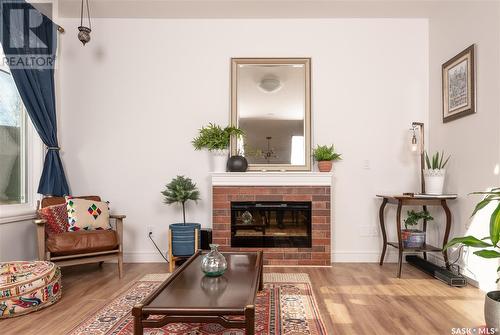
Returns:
point(229, 188)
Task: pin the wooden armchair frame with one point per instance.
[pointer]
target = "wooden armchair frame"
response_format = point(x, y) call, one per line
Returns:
point(94, 257)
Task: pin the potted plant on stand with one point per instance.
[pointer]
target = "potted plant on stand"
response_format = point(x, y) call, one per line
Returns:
point(325, 155)
point(490, 249)
point(180, 190)
point(435, 173)
point(414, 238)
point(216, 140)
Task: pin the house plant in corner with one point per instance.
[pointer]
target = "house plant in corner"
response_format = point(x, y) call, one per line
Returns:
point(216, 140)
point(414, 238)
point(325, 155)
point(179, 191)
point(435, 173)
point(489, 247)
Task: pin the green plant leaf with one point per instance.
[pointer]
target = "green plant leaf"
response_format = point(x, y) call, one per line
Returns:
point(495, 225)
point(427, 160)
point(487, 253)
point(480, 205)
point(441, 160)
point(470, 241)
point(445, 162)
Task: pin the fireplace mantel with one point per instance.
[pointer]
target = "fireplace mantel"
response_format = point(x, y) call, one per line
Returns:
point(272, 179)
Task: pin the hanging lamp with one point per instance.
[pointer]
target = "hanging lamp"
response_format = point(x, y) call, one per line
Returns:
point(84, 32)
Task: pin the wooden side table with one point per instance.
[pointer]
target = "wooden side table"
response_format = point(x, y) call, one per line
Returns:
point(403, 200)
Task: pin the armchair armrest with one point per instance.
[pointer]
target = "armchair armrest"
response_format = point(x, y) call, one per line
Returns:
point(119, 228)
point(40, 222)
point(40, 236)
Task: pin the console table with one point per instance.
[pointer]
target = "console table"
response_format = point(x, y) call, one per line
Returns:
point(407, 200)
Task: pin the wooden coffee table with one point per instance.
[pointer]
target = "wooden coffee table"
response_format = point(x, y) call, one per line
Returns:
point(189, 296)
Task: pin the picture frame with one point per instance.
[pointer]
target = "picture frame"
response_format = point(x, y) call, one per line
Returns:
point(458, 85)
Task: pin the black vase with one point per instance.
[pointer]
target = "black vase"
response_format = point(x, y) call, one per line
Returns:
point(237, 164)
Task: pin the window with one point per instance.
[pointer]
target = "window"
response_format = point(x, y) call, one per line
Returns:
point(13, 139)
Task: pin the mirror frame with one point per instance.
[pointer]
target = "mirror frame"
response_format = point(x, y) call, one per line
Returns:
point(307, 112)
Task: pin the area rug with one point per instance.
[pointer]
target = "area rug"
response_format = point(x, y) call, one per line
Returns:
point(286, 306)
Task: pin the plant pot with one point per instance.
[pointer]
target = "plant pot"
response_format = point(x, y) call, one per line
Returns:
point(183, 238)
point(434, 181)
point(325, 166)
point(218, 160)
point(413, 238)
point(492, 310)
point(237, 164)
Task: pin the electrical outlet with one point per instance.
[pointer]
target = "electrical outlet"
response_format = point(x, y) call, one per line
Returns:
point(150, 231)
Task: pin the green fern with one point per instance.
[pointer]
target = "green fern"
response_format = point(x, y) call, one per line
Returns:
point(214, 137)
point(180, 190)
point(325, 153)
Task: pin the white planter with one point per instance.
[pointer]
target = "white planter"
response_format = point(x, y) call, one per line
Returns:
point(492, 310)
point(218, 160)
point(434, 181)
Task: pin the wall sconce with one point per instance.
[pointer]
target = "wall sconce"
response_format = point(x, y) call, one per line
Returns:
point(416, 146)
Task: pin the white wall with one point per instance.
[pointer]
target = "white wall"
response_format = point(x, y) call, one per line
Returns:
point(473, 141)
point(18, 241)
point(134, 97)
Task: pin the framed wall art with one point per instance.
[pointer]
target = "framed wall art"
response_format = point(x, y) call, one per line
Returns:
point(458, 76)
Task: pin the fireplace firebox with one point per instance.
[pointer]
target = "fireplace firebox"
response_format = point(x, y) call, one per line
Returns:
point(271, 224)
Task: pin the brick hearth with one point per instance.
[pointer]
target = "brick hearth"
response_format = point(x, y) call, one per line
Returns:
point(318, 254)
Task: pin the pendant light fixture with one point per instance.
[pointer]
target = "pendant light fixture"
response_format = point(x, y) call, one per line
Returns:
point(84, 32)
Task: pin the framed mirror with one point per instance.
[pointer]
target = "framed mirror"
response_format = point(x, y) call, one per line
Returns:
point(271, 103)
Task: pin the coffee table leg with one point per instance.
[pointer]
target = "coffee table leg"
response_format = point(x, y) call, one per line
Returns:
point(250, 320)
point(137, 313)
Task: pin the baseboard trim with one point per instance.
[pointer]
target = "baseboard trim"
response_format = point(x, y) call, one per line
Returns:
point(143, 257)
point(363, 257)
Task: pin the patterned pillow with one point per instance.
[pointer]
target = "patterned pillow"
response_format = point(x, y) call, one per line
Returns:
point(87, 214)
point(56, 217)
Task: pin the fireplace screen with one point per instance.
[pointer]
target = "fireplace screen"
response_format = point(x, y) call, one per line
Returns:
point(271, 224)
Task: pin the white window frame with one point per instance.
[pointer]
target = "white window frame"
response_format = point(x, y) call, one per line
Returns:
point(34, 165)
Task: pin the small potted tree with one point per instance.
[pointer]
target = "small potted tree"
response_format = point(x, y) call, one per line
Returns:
point(489, 248)
point(325, 155)
point(179, 191)
point(414, 238)
point(435, 173)
point(216, 140)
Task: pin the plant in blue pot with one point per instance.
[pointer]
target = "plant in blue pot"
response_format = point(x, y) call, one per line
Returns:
point(179, 191)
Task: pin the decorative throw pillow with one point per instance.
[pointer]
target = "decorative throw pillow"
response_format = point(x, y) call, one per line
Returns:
point(87, 214)
point(56, 217)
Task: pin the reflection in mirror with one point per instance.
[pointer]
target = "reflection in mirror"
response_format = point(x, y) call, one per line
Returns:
point(271, 105)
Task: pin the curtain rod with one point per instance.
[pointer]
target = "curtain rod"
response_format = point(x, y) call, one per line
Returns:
point(60, 29)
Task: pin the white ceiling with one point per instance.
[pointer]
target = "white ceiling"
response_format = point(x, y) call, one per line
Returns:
point(287, 103)
point(247, 8)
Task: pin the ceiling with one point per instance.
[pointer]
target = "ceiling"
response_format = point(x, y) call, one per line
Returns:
point(246, 8)
point(286, 103)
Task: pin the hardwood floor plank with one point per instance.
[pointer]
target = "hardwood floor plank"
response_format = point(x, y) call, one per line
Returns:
point(354, 298)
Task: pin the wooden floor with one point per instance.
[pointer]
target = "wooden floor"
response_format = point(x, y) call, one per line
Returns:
point(353, 299)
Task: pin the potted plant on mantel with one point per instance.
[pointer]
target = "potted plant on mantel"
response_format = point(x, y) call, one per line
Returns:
point(490, 249)
point(216, 140)
point(180, 190)
point(325, 155)
point(414, 238)
point(435, 173)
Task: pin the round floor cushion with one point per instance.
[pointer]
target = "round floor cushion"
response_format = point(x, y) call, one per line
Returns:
point(28, 286)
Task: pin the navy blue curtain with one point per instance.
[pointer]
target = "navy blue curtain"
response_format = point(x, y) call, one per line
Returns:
point(29, 42)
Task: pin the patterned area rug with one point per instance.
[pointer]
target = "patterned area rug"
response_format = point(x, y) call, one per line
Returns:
point(286, 306)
